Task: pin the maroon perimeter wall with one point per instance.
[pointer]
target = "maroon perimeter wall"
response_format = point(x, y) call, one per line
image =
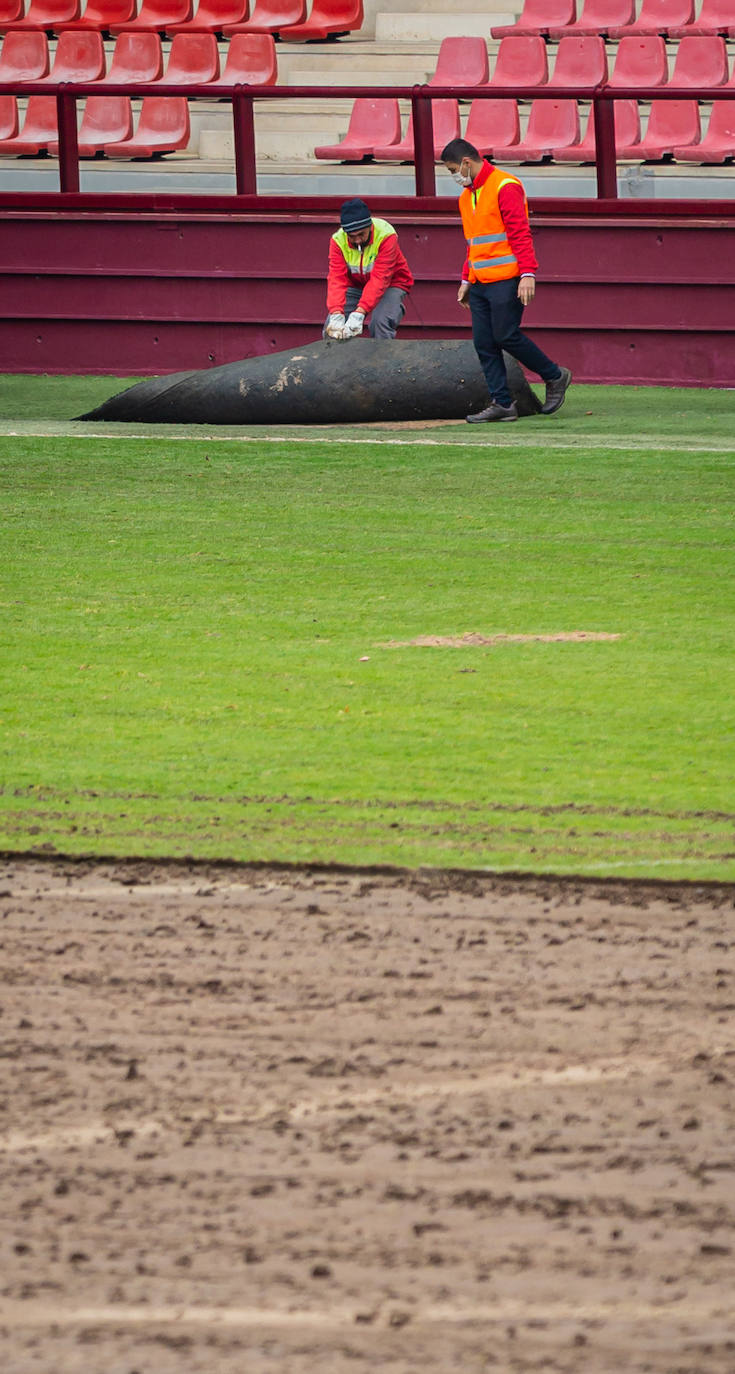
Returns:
point(628, 291)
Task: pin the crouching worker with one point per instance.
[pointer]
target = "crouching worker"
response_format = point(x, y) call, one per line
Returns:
point(368, 275)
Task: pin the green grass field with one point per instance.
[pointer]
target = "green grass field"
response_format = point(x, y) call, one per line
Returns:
point(201, 634)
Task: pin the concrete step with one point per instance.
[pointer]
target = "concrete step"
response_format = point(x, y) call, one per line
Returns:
point(408, 27)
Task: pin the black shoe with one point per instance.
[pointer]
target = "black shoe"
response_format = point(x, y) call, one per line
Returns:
point(494, 412)
point(556, 391)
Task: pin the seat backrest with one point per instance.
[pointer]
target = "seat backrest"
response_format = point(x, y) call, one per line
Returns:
point(665, 12)
point(461, 62)
point(109, 117)
point(521, 62)
point(717, 14)
point(494, 123)
point(24, 55)
point(640, 61)
point(138, 56)
point(41, 116)
point(722, 122)
point(347, 12)
point(580, 62)
point(700, 61)
point(376, 121)
point(553, 121)
point(277, 13)
point(251, 57)
point(545, 14)
point(79, 56)
point(193, 57)
point(674, 120)
point(107, 12)
point(627, 122)
point(161, 12)
point(607, 14)
point(164, 114)
point(8, 116)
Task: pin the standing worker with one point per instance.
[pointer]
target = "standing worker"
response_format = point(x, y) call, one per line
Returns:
point(499, 278)
point(368, 275)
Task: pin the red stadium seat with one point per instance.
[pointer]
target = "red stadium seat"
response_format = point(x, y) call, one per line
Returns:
point(39, 128)
point(137, 56)
point(47, 14)
point(328, 19)
point(24, 56)
point(551, 124)
point(657, 16)
point(718, 144)
point(251, 59)
point(8, 116)
point(193, 57)
point(158, 16)
point(10, 12)
point(373, 123)
point(597, 18)
point(106, 119)
point(493, 125)
point(670, 122)
point(640, 62)
point(700, 61)
point(446, 127)
point(79, 56)
point(627, 131)
point(520, 62)
point(163, 127)
point(103, 15)
point(539, 16)
point(715, 16)
point(271, 16)
point(211, 16)
point(580, 62)
point(461, 62)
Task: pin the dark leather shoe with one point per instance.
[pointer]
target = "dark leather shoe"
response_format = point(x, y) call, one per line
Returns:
point(495, 412)
point(555, 392)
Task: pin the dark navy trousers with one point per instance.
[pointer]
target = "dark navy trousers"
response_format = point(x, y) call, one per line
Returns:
point(496, 317)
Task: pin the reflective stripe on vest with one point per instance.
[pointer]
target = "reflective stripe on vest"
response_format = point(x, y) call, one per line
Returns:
point(491, 257)
point(360, 261)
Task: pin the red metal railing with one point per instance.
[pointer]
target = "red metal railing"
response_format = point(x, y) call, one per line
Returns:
point(243, 116)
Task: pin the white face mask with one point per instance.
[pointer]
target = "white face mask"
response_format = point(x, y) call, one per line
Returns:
point(460, 179)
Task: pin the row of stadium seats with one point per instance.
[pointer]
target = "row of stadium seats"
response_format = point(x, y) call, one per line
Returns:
point(618, 19)
point(107, 126)
point(287, 18)
point(138, 57)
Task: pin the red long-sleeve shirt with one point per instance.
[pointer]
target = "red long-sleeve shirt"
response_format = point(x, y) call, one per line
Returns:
point(389, 269)
point(512, 206)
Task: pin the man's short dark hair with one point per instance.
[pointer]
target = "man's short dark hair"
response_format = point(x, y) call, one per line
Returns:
point(458, 149)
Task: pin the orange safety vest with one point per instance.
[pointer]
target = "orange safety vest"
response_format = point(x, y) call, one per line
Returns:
point(491, 256)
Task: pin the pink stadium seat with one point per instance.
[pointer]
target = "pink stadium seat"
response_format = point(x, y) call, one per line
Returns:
point(580, 62)
point(102, 15)
point(328, 19)
point(8, 116)
point(551, 124)
point(373, 123)
point(271, 16)
point(493, 125)
point(627, 131)
point(715, 16)
point(163, 127)
point(446, 127)
point(193, 57)
point(670, 122)
point(640, 62)
point(598, 17)
point(700, 61)
point(137, 56)
point(24, 56)
point(211, 16)
point(657, 16)
point(48, 15)
point(158, 15)
point(718, 144)
point(251, 59)
point(520, 62)
point(106, 119)
point(39, 128)
point(539, 16)
point(10, 12)
point(79, 56)
point(461, 62)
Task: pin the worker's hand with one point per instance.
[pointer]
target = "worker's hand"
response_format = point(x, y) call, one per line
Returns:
point(526, 290)
point(335, 325)
point(463, 295)
point(354, 325)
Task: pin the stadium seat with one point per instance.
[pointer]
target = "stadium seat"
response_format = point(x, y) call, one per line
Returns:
point(106, 119)
point(251, 59)
point(47, 14)
point(10, 12)
point(520, 62)
point(328, 19)
point(270, 16)
point(627, 131)
point(158, 16)
point(551, 124)
point(373, 123)
point(194, 57)
point(657, 16)
point(39, 128)
point(446, 127)
point(640, 62)
point(538, 17)
point(718, 144)
point(715, 16)
point(700, 61)
point(461, 62)
point(8, 116)
point(24, 56)
point(493, 125)
point(137, 56)
point(211, 16)
point(79, 56)
point(103, 15)
point(597, 18)
point(670, 122)
point(580, 62)
point(163, 127)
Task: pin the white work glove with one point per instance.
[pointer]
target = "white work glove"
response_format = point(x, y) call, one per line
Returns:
point(335, 326)
point(354, 325)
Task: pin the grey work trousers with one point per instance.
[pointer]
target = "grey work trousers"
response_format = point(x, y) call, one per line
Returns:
point(385, 316)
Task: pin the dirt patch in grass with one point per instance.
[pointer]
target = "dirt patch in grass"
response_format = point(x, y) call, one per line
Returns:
point(473, 640)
